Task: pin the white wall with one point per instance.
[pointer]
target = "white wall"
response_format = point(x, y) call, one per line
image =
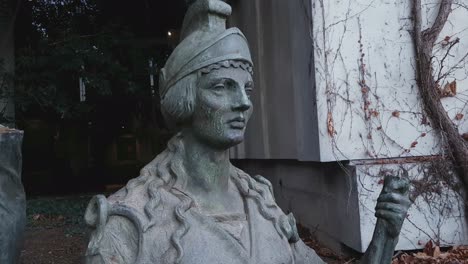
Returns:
point(364, 53)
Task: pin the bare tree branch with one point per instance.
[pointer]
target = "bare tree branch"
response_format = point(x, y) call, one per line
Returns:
point(424, 44)
point(445, 57)
point(431, 34)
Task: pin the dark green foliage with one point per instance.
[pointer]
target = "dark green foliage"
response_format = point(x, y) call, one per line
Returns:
point(69, 40)
point(5, 92)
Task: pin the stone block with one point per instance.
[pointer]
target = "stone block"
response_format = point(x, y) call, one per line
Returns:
point(12, 197)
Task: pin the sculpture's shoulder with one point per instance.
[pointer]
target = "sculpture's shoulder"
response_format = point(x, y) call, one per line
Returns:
point(125, 203)
point(122, 220)
point(128, 202)
point(115, 235)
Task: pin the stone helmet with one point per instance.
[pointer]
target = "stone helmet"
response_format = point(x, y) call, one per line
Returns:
point(205, 43)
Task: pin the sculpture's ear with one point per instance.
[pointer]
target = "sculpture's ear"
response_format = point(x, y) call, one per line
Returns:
point(97, 212)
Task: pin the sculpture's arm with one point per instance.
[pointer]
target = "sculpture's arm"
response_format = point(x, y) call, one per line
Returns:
point(391, 210)
point(115, 243)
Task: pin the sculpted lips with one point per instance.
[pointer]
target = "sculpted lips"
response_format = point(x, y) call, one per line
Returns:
point(237, 123)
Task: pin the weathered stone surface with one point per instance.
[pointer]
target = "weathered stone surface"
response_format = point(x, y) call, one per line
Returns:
point(12, 197)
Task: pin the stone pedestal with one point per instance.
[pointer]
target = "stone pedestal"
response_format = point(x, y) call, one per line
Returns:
point(12, 197)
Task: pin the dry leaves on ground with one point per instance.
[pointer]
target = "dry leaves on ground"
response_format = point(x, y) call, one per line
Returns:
point(433, 254)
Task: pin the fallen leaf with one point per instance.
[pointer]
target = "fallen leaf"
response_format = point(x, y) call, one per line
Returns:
point(396, 113)
point(459, 116)
point(446, 41)
point(436, 252)
point(450, 89)
point(429, 248)
point(330, 125)
point(465, 136)
point(421, 255)
point(36, 217)
point(374, 113)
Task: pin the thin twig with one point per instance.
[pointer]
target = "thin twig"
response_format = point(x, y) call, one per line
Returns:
point(424, 45)
point(454, 66)
point(452, 44)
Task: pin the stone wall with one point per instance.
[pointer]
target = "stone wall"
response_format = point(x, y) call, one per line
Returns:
point(336, 202)
point(284, 122)
point(322, 198)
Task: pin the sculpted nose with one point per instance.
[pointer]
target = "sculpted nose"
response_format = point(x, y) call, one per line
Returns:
point(242, 102)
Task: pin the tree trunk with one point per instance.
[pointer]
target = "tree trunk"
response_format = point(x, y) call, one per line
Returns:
point(424, 41)
point(7, 62)
point(12, 197)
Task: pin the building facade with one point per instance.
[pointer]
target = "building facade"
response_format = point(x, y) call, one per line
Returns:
point(337, 107)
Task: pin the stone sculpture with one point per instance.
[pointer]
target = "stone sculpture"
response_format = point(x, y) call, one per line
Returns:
point(12, 197)
point(190, 205)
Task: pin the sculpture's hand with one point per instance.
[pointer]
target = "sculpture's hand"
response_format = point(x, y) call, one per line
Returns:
point(393, 204)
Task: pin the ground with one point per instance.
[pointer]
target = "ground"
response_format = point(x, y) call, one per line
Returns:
point(56, 234)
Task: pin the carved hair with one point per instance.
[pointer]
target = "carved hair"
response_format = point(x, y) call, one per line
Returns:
point(167, 174)
point(178, 104)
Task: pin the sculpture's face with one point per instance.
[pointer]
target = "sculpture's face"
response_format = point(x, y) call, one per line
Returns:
point(222, 107)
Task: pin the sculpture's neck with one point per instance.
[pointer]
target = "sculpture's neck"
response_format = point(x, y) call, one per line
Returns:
point(207, 168)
